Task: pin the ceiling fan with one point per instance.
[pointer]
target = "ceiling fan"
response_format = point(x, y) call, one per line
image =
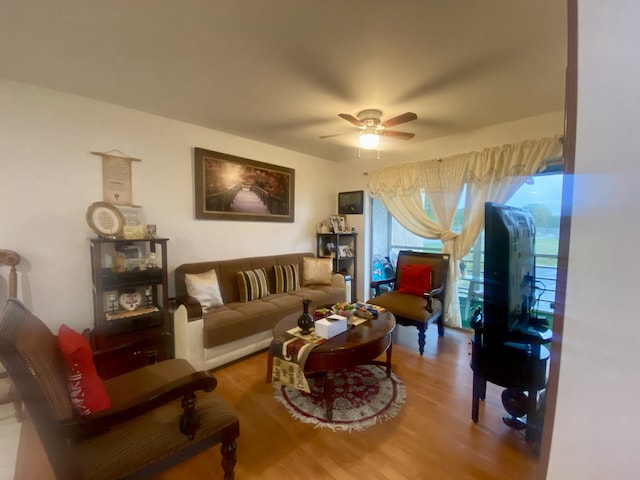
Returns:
point(371, 127)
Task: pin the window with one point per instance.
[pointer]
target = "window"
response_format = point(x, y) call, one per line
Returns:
point(541, 195)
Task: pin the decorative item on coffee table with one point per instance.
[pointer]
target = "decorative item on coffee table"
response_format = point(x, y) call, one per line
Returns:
point(305, 322)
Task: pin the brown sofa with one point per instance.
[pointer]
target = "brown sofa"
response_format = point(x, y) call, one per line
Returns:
point(222, 334)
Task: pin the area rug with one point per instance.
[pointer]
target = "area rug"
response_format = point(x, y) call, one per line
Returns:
point(363, 396)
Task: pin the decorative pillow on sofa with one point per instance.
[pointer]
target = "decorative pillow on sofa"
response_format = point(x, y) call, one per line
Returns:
point(86, 388)
point(415, 279)
point(286, 278)
point(317, 271)
point(205, 288)
point(253, 284)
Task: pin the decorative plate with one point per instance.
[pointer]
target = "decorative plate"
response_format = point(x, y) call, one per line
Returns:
point(105, 219)
point(130, 301)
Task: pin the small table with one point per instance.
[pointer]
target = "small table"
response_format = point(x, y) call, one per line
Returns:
point(359, 345)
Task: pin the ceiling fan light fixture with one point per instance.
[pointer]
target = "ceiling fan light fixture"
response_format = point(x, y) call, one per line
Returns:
point(369, 140)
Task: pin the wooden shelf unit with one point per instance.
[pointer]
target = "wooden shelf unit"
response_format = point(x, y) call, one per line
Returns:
point(342, 248)
point(124, 340)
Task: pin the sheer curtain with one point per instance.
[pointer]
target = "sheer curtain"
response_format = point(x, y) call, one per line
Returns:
point(492, 174)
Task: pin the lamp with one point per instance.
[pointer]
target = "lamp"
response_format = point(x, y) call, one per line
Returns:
point(369, 139)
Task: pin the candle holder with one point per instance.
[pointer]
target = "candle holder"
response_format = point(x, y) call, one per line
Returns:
point(113, 304)
point(151, 260)
point(148, 295)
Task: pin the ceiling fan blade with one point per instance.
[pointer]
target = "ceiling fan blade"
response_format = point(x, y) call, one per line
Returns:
point(334, 135)
point(405, 117)
point(351, 119)
point(401, 135)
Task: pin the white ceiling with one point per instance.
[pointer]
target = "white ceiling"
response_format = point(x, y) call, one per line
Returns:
point(279, 71)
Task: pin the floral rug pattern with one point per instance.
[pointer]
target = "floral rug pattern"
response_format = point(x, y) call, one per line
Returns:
point(363, 396)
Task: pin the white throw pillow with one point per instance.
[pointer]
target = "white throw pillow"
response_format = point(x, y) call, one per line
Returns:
point(316, 271)
point(204, 287)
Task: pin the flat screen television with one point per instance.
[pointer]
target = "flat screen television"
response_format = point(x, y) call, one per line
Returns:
point(509, 270)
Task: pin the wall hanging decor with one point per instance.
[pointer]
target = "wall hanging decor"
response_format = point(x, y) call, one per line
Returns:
point(116, 177)
point(235, 188)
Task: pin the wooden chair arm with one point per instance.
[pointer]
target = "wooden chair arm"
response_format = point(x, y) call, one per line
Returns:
point(98, 422)
point(436, 292)
point(377, 283)
point(427, 297)
point(194, 309)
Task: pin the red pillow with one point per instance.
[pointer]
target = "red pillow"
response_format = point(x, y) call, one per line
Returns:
point(86, 388)
point(415, 279)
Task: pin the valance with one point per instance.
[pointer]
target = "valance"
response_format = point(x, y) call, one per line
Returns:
point(490, 164)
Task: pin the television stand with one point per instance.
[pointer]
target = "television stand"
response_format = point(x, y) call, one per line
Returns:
point(518, 362)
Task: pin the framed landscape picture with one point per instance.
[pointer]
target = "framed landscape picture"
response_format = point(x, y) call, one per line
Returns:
point(235, 188)
point(350, 202)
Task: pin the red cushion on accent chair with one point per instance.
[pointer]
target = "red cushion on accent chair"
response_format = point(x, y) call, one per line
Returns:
point(86, 388)
point(415, 279)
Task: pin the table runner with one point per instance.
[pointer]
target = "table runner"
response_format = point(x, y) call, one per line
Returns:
point(289, 354)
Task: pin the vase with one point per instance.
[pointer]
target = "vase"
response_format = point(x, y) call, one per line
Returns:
point(305, 321)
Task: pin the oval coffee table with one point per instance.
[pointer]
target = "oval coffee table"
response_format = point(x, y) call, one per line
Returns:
point(359, 345)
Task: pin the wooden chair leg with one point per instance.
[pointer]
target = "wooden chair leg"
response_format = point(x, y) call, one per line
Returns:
point(422, 333)
point(229, 460)
point(228, 450)
point(189, 421)
point(440, 322)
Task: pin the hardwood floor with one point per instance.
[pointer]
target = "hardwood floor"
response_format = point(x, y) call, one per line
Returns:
point(432, 438)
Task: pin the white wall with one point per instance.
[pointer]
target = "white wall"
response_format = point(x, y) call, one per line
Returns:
point(49, 178)
point(597, 425)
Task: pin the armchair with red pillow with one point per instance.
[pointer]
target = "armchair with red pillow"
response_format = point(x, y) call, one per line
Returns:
point(418, 293)
point(159, 415)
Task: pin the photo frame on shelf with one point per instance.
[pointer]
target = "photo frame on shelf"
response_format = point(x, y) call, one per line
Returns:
point(334, 220)
point(105, 220)
point(323, 227)
point(343, 223)
point(221, 178)
point(133, 255)
point(134, 228)
point(351, 203)
point(330, 249)
point(344, 251)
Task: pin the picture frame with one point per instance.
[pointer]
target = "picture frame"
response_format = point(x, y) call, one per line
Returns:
point(134, 228)
point(344, 251)
point(221, 178)
point(343, 223)
point(351, 203)
point(330, 249)
point(105, 219)
point(334, 220)
point(323, 227)
point(133, 255)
